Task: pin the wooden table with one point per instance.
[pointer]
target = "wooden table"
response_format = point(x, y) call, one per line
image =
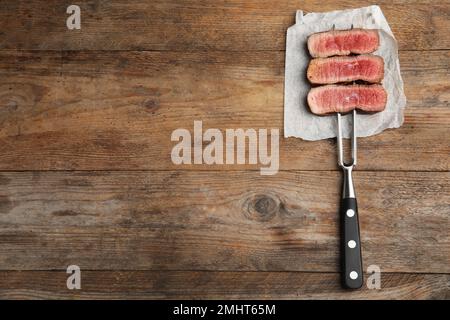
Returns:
point(87, 179)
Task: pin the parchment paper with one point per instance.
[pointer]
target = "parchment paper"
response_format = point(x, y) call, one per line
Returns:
point(298, 120)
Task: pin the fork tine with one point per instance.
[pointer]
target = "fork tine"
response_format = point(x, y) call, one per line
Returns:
point(354, 151)
point(341, 160)
point(339, 141)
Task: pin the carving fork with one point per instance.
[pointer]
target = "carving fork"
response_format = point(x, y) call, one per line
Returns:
point(351, 261)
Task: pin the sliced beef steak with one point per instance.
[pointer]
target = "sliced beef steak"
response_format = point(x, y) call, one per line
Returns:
point(369, 68)
point(337, 98)
point(343, 42)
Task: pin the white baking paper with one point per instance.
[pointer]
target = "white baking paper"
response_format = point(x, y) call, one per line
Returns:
point(298, 120)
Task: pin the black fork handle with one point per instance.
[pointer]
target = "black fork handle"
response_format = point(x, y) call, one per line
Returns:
point(352, 273)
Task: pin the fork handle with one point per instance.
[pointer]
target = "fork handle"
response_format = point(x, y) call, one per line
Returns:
point(352, 275)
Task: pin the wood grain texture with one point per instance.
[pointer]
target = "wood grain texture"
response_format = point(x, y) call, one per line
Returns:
point(105, 99)
point(214, 285)
point(174, 220)
point(117, 110)
point(188, 25)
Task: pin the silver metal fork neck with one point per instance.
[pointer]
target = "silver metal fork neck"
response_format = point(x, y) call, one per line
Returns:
point(348, 190)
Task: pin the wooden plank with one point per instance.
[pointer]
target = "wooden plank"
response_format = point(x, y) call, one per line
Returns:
point(215, 285)
point(117, 110)
point(198, 25)
point(172, 220)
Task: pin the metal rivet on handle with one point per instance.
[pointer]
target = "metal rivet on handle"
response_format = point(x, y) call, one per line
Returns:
point(353, 275)
point(352, 244)
point(350, 213)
